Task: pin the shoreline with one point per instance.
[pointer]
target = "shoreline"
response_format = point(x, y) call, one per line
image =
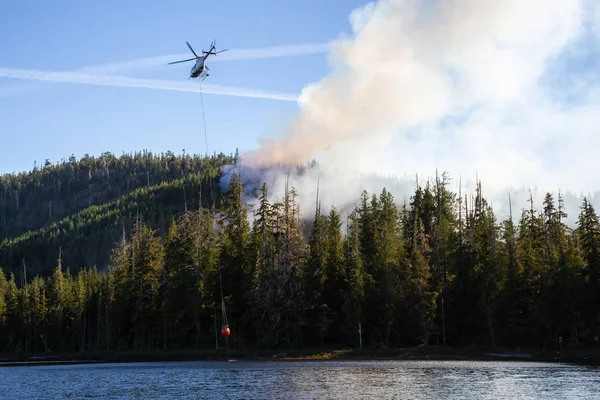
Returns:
point(580, 356)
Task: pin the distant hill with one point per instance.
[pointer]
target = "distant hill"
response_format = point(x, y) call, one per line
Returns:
point(80, 207)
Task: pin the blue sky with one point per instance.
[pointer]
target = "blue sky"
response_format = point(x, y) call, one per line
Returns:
point(526, 72)
point(51, 120)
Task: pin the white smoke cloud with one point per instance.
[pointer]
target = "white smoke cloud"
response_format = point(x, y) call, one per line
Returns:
point(465, 86)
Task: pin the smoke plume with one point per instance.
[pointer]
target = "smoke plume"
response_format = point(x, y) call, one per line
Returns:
point(507, 91)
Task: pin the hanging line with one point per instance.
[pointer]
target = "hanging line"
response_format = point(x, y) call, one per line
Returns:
point(206, 139)
point(203, 117)
point(223, 310)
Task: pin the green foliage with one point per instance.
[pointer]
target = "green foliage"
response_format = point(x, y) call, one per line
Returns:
point(3, 289)
point(438, 270)
point(155, 187)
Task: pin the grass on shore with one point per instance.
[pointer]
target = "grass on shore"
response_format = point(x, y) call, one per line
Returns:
point(578, 355)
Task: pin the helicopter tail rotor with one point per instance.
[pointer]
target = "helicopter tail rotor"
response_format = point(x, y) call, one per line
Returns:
point(213, 48)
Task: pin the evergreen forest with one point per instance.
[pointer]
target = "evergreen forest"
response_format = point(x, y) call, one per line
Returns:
point(144, 251)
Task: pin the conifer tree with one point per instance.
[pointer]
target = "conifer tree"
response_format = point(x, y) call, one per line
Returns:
point(206, 268)
point(14, 319)
point(235, 265)
point(335, 274)
point(57, 304)
point(3, 289)
point(532, 256)
point(288, 277)
point(420, 294)
point(588, 232)
point(444, 240)
point(37, 310)
point(355, 274)
point(421, 273)
point(263, 293)
point(385, 267)
point(137, 277)
point(315, 278)
point(178, 282)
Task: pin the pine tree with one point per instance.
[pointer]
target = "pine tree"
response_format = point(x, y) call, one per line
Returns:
point(137, 277)
point(385, 268)
point(14, 319)
point(355, 291)
point(206, 271)
point(335, 275)
point(444, 240)
point(315, 278)
point(178, 281)
point(3, 312)
point(528, 327)
point(588, 232)
point(37, 310)
point(420, 294)
point(57, 305)
point(263, 294)
point(235, 264)
point(420, 288)
point(290, 260)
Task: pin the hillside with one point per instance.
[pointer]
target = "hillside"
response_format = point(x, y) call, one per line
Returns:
point(80, 207)
point(436, 270)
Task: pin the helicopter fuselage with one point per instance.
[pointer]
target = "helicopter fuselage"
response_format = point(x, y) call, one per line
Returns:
point(198, 68)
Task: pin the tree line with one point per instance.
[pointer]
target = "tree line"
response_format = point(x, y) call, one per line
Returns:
point(50, 192)
point(438, 269)
point(154, 186)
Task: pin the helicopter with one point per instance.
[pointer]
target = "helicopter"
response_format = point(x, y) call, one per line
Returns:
point(200, 69)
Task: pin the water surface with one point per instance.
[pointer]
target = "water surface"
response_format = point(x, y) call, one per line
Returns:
point(430, 380)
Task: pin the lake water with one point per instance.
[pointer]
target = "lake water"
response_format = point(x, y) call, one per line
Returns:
point(303, 380)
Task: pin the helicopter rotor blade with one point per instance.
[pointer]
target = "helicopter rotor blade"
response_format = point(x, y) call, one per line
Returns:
point(215, 52)
point(191, 49)
point(176, 62)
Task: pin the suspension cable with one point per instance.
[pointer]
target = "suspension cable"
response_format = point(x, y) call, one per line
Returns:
point(203, 117)
point(223, 308)
point(206, 139)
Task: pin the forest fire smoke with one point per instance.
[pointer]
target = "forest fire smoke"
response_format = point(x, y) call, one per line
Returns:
point(466, 86)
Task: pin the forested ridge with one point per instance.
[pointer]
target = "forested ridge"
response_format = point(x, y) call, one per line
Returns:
point(438, 269)
point(82, 205)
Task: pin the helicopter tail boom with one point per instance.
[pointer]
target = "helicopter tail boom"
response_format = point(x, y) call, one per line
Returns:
point(212, 50)
point(213, 47)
